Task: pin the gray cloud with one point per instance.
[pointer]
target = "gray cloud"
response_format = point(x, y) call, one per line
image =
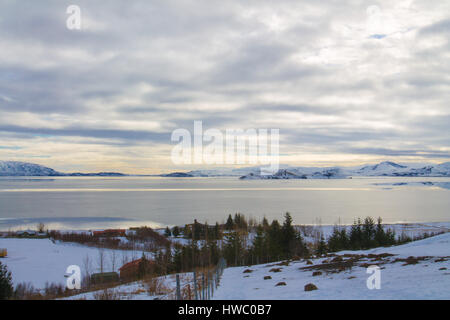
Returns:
point(314, 70)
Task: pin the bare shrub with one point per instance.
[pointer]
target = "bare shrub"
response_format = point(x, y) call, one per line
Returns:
point(26, 291)
point(155, 286)
point(106, 294)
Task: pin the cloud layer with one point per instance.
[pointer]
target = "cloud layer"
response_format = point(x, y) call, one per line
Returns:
point(345, 82)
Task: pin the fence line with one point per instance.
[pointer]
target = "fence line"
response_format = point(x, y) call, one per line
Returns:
point(202, 288)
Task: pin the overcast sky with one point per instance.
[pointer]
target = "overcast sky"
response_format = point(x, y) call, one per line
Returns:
point(346, 82)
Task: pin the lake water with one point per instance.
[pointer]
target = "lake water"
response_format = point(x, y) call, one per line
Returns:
point(97, 202)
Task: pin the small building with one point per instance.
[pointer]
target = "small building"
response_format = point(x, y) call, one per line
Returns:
point(104, 277)
point(3, 252)
point(131, 269)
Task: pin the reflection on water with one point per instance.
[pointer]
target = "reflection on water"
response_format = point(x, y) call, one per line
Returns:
point(91, 202)
point(72, 223)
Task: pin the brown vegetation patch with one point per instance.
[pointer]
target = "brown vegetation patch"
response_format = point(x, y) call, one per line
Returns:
point(267, 277)
point(275, 270)
point(248, 271)
point(412, 260)
point(379, 256)
point(310, 287)
point(332, 267)
point(280, 284)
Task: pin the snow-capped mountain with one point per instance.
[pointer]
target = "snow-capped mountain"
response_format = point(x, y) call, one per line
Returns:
point(442, 169)
point(396, 170)
point(228, 172)
point(280, 174)
point(15, 168)
point(300, 173)
point(25, 169)
point(382, 168)
point(385, 168)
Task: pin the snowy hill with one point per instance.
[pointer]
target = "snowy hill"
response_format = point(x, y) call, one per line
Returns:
point(417, 270)
point(382, 168)
point(385, 168)
point(442, 169)
point(13, 168)
point(280, 174)
point(299, 173)
point(24, 169)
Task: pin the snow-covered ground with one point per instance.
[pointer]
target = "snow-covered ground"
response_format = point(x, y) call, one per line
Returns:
point(139, 290)
point(408, 229)
point(428, 279)
point(38, 261)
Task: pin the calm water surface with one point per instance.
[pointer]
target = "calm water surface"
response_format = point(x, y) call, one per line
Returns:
point(94, 202)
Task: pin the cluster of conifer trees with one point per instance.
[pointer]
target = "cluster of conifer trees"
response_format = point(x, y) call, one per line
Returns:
point(362, 235)
point(272, 242)
point(243, 242)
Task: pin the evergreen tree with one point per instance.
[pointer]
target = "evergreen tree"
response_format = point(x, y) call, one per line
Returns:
point(196, 230)
point(229, 225)
point(356, 235)
point(321, 247)
point(275, 240)
point(368, 233)
point(344, 241)
point(187, 232)
point(175, 231)
point(217, 231)
point(334, 241)
point(233, 248)
point(240, 222)
point(258, 248)
point(288, 236)
point(167, 233)
point(265, 224)
point(6, 287)
point(380, 235)
point(390, 237)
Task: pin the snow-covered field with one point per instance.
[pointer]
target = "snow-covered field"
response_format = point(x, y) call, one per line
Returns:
point(428, 279)
point(139, 290)
point(408, 229)
point(38, 261)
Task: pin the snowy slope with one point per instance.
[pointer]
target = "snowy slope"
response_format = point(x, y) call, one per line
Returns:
point(428, 279)
point(386, 168)
point(139, 290)
point(383, 168)
point(14, 168)
point(24, 169)
point(40, 260)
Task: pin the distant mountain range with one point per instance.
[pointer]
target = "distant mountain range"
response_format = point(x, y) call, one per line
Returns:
point(386, 168)
point(24, 169)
